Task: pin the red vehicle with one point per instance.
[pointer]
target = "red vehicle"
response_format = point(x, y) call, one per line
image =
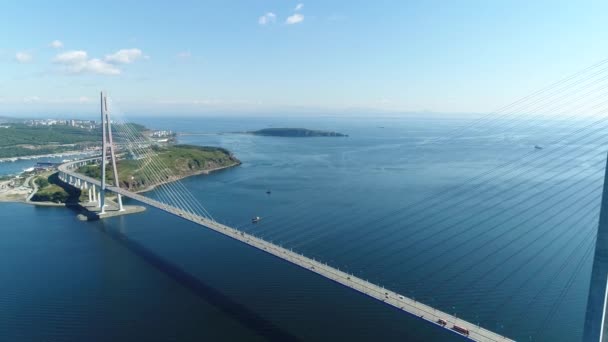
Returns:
point(461, 330)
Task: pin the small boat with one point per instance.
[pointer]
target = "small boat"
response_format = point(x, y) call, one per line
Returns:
point(538, 147)
point(269, 192)
point(256, 219)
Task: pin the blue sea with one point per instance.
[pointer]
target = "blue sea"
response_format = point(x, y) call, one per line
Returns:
point(492, 222)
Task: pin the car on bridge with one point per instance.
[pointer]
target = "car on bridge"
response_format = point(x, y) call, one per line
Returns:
point(461, 330)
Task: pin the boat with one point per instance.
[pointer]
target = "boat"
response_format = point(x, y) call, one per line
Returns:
point(256, 219)
point(269, 192)
point(538, 147)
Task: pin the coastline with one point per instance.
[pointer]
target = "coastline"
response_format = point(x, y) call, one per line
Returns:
point(198, 173)
point(23, 197)
point(51, 155)
point(23, 194)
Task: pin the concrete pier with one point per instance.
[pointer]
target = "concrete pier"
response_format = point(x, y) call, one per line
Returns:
point(111, 210)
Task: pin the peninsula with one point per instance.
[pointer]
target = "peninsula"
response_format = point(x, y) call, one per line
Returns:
point(170, 163)
point(164, 161)
point(296, 133)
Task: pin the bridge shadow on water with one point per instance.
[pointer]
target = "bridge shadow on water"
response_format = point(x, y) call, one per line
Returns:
point(242, 314)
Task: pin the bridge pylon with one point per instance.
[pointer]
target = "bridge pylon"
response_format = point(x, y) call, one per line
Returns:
point(595, 328)
point(107, 144)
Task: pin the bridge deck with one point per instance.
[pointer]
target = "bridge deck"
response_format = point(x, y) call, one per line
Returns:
point(394, 299)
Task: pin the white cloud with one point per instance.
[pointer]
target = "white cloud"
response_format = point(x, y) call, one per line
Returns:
point(23, 57)
point(184, 54)
point(98, 66)
point(71, 57)
point(77, 62)
point(59, 100)
point(267, 18)
point(294, 19)
point(70, 100)
point(299, 7)
point(196, 102)
point(124, 56)
point(56, 44)
point(30, 99)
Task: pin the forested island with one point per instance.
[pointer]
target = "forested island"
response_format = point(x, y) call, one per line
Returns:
point(296, 132)
point(169, 163)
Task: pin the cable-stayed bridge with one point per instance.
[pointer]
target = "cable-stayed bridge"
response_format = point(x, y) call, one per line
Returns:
point(97, 189)
point(375, 291)
point(484, 215)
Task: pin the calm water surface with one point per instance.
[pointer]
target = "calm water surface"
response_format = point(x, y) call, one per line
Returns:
point(500, 253)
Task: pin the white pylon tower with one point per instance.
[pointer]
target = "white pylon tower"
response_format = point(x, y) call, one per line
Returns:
point(107, 143)
point(595, 319)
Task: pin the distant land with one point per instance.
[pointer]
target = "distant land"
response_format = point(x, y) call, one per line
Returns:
point(45, 137)
point(18, 139)
point(296, 133)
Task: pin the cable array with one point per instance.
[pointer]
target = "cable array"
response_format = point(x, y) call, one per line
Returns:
point(503, 225)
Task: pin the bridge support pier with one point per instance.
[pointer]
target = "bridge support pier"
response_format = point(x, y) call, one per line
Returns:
point(102, 202)
point(120, 207)
point(90, 195)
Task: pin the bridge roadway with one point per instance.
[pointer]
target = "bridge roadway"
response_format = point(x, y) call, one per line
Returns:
point(403, 303)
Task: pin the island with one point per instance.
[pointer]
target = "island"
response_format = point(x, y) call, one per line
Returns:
point(296, 133)
point(170, 163)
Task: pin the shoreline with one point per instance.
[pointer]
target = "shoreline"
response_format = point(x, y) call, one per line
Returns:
point(198, 173)
point(25, 199)
point(25, 194)
point(50, 155)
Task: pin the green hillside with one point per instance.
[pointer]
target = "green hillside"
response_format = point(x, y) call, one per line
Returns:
point(170, 163)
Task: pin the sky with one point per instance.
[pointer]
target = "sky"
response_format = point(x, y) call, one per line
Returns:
point(283, 56)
